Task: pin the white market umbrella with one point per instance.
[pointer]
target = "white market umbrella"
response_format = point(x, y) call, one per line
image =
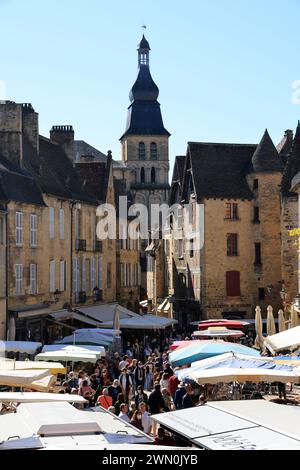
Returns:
point(28, 347)
point(259, 340)
point(228, 375)
point(288, 339)
point(218, 332)
point(40, 380)
point(281, 321)
point(74, 356)
point(53, 367)
point(271, 328)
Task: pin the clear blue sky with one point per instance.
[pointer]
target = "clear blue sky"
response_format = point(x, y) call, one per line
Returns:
point(224, 67)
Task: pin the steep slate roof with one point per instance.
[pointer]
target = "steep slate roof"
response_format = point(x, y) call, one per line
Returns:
point(54, 172)
point(178, 171)
point(219, 169)
point(285, 145)
point(265, 157)
point(292, 166)
point(16, 184)
point(82, 148)
point(144, 44)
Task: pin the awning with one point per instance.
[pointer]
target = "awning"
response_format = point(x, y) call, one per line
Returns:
point(39, 380)
point(28, 347)
point(70, 353)
point(82, 349)
point(236, 425)
point(228, 375)
point(53, 367)
point(38, 397)
point(288, 339)
point(128, 320)
point(66, 315)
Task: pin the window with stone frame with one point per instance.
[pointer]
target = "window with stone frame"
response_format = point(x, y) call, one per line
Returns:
point(231, 211)
point(256, 215)
point(153, 151)
point(232, 244)
point(142, 151)
point(257, 251)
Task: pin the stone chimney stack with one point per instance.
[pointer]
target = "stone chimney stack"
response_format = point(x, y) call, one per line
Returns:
point(64, 136)
point(11, 131)
point(30, 126)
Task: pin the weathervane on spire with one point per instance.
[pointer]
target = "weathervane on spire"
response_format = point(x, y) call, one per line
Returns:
point(144, 26)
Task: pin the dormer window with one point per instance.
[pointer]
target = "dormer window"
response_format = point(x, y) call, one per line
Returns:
point(153, 151)
point(142, 151)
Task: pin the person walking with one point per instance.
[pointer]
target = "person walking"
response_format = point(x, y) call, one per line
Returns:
point(105, 400)
point(179, 394)
point(124, 413)
point(146, 420)
point(126, 384)
point(155, 401)
point(188, 401)
point(139, 375)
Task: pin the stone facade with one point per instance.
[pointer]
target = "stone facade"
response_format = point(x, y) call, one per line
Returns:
point(2, 273)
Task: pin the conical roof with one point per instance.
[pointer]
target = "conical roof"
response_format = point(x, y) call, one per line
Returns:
point(144, 44)
point(265, 157)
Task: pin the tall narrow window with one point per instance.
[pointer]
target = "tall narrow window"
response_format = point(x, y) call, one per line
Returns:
point(142, 151)
point(76, 280)
point(255, 184)
point(233, 284)
point(33, 230)
point(62, 275)
point(191, 248)
point(52, 275)
point(2, 230)
point(232, 244)
point(153, 151)
point(19, 278)
point(142, 175)
point(61, 224)
point(180, 248)
point(153, 175)
point(100, 272)
point(257, 248)
point(51, 223)
point(77, 224)
point(93, 272)
point(19, 228)
point(84, 274)
point(261, 293)
point(33, 278)
point(231, 211)
point(109, 275)
point(256, 215)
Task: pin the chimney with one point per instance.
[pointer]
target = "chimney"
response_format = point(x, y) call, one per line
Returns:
point(289, 134)
point(64, 136)
point(30, 126)
point(11, 131)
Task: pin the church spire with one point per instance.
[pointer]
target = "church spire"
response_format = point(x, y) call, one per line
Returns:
point(143, 52)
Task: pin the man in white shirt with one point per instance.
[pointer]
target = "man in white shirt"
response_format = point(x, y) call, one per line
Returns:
point(123, 363)
point(146, 419)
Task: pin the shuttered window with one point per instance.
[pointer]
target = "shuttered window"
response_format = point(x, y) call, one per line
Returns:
point(33, 230)
point(74, 275)
point(61, 224)
point(33, 278)
point(233, 283)
point(19, 228)
point(51, 223)
point(93, 273)
point(62, 275)
point(84, 273)
point(19, 278)
point(52, 275)
point(100, 272)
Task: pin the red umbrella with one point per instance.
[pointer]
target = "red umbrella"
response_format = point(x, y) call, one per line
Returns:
point(205, 324)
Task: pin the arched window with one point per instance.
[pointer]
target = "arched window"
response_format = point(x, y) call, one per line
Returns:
point(142, 175)
point(153, 151)
point(153, 175)
point(142, 151)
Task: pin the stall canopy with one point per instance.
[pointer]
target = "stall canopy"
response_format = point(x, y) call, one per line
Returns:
point(236, 425)
point(228, 375)
point(231, 361)
point(218, 332)
point(128, 320)
point(71, 353)
point(38, 397)
point(288, 339)
point(199, 350)
point(98, 350)
point(53, 367)
point(204, 324)
point(40, 380)
point(88, 337)
point(28, 347)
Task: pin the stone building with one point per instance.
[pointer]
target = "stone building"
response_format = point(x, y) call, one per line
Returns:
point(55, 262)
point(238, 266)
point(3, 273)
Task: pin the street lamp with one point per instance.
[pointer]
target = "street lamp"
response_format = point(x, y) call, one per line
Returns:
point(96, 292)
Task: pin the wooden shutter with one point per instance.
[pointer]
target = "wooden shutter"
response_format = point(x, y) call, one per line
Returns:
point(51, 222)
point(61, 224)
point(52, 275)
point(233, 284)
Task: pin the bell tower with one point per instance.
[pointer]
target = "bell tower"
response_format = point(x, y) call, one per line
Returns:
point(145, 142)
